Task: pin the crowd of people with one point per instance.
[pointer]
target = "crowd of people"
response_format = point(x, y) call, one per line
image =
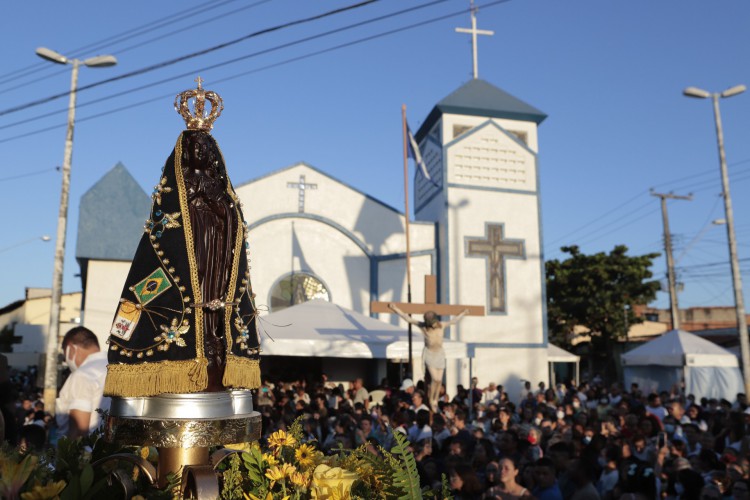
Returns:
point(590, 441)
point(585, 442)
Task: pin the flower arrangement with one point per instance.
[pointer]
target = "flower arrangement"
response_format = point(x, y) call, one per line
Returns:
point(291, 470)
point(286, 469)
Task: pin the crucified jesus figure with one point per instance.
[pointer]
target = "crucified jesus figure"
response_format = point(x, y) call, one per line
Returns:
point(433, 354)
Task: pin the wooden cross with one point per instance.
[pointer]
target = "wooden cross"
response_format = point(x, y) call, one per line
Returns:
point(473, 31)
point(430, 303)
point(302, 186)
point(495, 249)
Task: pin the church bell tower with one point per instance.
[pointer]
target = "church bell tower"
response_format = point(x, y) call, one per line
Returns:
point(480, 148)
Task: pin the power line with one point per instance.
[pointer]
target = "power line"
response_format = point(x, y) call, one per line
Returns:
point(712, 185)
point(192, 55)
point(602, 216)
point(113, 39)
point(202, 22)
point(287, 61)
point(237, 59)
point(29, 174)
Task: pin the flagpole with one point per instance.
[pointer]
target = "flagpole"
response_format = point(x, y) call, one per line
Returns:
point(406, 218)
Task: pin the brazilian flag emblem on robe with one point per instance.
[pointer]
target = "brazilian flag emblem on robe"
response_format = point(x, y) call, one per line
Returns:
point(151, 286)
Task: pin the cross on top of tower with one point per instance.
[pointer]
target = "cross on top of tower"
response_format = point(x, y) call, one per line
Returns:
point(473, 31)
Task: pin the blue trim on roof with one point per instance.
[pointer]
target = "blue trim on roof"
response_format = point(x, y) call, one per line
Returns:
point(480, 98)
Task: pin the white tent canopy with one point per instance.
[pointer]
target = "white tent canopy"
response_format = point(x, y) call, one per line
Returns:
point(706, 369)
point(321, 329)
point(557, 354)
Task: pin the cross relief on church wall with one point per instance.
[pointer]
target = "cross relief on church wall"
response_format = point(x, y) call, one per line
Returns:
point(495, 249)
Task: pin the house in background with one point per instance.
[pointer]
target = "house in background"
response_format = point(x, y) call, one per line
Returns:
point(24, 324)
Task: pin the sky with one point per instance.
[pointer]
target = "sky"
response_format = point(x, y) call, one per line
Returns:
point(609, 75)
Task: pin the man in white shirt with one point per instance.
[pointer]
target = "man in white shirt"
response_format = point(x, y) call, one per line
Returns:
point(491, 394)
point(81, 395)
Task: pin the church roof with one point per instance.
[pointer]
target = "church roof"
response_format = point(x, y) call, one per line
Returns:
point(480, 98)
point(110, 218)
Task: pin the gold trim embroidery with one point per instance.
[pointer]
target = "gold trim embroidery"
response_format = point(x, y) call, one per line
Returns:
point(188, 225)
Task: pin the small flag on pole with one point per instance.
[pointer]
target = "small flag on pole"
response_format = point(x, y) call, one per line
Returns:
point(415, 154)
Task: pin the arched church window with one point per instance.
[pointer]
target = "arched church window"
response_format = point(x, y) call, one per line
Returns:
point(297, 288)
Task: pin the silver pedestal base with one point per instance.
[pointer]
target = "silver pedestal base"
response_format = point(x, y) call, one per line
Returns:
point(202, 419)
point(199, 405)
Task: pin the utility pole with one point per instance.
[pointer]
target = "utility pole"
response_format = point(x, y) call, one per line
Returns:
point(739, 301)
point(674, 310)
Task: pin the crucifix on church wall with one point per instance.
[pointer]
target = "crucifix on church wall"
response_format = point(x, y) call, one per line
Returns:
point(301, 186)
point(495, 249)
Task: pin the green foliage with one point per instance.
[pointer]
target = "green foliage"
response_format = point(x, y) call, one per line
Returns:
point(405, 474)
point(295, 430)
point(232, 480)
point(289, 469)
point(598, 292)
point(446, 487)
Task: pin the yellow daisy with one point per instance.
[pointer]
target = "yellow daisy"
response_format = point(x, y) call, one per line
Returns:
point(281, 438)
point(270, 459)
point(288, 469)
point(300, 479)
point(275, 473)
point(50, 490)
point(305, 455)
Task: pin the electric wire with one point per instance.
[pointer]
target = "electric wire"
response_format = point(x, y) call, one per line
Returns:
point(121, 51)
point(113, 39)
point(263, 68)
point(29, 174)
point(192, 55)
point(235, 60)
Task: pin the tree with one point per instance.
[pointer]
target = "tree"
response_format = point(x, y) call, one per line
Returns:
point(597, 292)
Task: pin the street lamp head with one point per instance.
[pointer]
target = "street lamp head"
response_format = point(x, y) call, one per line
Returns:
point(737, 89)
point(51, 55)
point(696, 92)
point(45, 238)
point(100, 61)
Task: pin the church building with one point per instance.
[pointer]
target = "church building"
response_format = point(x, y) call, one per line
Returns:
point(476, 227)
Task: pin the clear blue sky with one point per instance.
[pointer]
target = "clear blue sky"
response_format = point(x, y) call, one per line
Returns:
point(608, 74)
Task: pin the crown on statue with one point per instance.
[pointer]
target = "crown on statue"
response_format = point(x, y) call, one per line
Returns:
point(198, 119)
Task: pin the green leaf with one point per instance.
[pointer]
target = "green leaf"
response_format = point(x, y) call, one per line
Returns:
point(87, 478)
point(406, 475)
point(73, 490)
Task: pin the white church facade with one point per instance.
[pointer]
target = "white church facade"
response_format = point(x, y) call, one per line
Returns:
point(476, 226)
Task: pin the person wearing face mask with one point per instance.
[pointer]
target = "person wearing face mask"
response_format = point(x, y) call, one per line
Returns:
point(81, 395)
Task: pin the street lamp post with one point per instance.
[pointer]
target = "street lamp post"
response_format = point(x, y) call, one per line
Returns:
point(733, 259)
point(50, 373)
point(24, 242)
